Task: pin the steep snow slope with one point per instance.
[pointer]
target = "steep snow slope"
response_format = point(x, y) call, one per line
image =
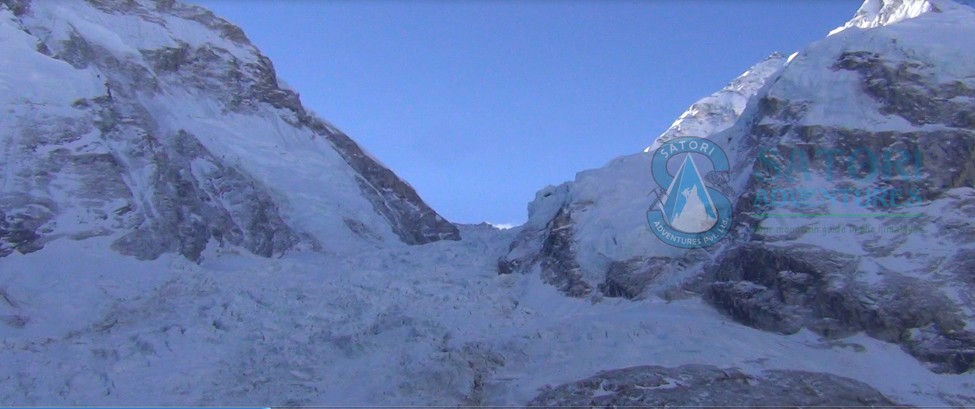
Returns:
point(719, 111)
point(161, 125)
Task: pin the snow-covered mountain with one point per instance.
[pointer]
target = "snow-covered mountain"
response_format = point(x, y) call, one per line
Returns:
point(880, 109)
point(160, 125)
point(152, 162)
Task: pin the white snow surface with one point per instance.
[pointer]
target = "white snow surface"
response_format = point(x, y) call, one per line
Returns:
point(402, 326)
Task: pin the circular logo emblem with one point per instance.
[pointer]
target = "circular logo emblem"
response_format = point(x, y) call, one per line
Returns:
point(686, 212)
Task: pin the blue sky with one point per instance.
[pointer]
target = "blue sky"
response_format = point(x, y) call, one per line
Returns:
point(479, 104)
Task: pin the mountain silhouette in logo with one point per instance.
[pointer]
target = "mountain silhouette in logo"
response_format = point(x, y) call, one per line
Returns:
point(687, 206)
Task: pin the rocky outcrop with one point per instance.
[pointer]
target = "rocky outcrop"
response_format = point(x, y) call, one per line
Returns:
point(909, 89)
point(628, 278)
point(706, 386)
point(555, 257)
point(196, 199)
point(784, 289)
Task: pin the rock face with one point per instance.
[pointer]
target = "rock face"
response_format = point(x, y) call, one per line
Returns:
point(704, 385)
point(785, 289)
point(852, 180)
point(161, 125)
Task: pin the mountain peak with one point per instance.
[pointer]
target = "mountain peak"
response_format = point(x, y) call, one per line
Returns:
point(877, 13)
point(718, 111)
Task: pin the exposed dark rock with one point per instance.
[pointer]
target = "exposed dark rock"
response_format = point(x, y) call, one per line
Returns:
point(191, 12)
point(950, 350)
point(23, 220)
point(77, 52)
point(5, 241)
point(784, 289)
point(18, 7)
point(15, 321)
point(930, 162)
point(558, 260)
point(629, 278)
point(756, 305)
point(554, 256)
point(203, 16)
point(962, 264)
point(190, 207)
point(710, 386)
point(908, 89)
